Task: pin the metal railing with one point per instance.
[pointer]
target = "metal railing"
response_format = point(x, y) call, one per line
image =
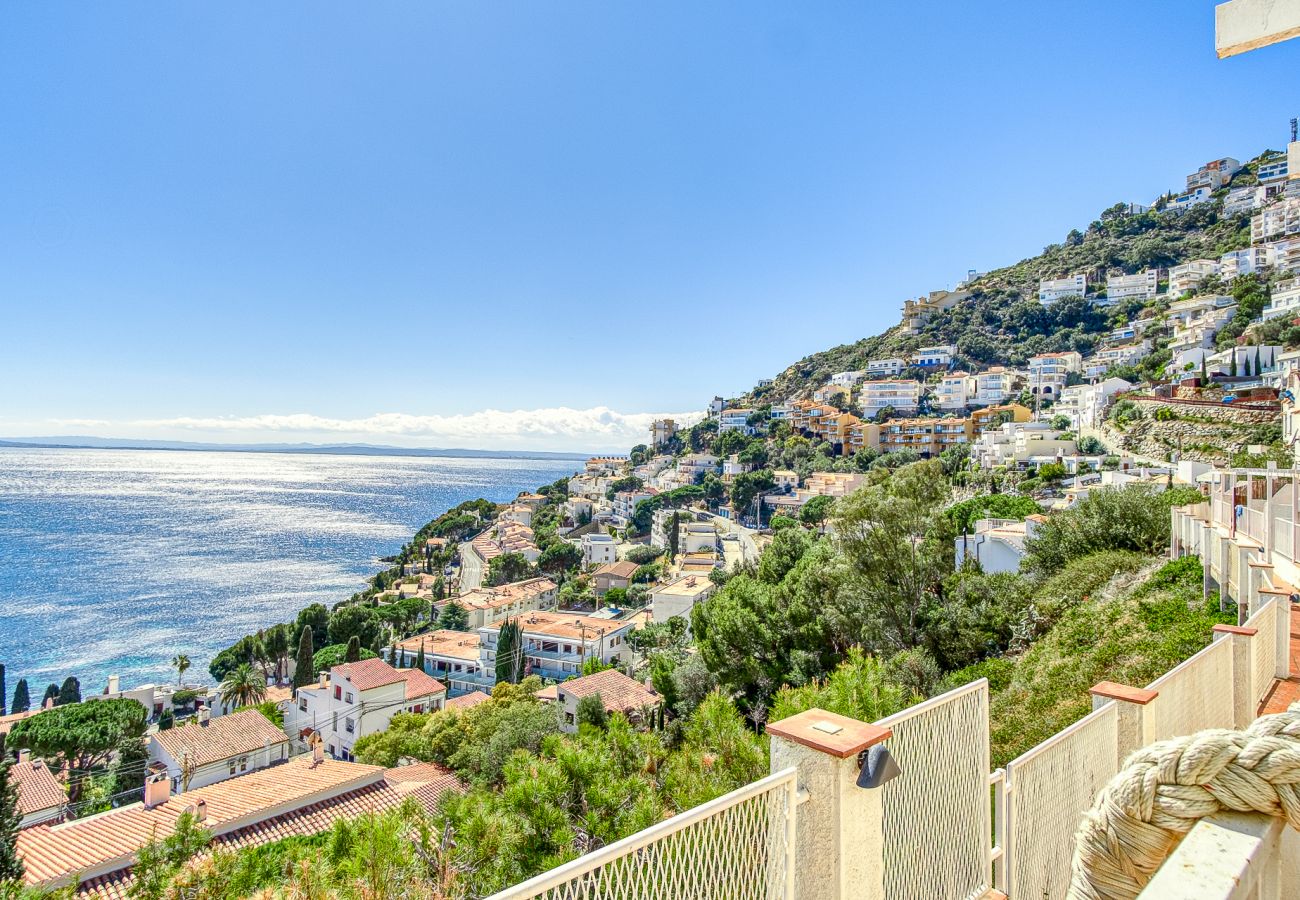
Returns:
point(941, 803)
point(1194, 695)
point(1046, 791)
point(737, 847)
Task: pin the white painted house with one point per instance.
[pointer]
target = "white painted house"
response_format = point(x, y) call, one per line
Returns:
point(353, 700)
point(1052, 289)
point(206, 751)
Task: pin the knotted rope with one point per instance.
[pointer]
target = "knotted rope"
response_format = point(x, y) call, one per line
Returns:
point(1165, 789)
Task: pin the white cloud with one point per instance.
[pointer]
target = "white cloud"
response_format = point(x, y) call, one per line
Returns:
point(553, 428)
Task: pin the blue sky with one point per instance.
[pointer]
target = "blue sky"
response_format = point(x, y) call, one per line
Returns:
point(536, 224)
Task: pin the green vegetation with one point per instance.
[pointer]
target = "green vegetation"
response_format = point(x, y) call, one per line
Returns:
point(80, 736)
point(328, 657)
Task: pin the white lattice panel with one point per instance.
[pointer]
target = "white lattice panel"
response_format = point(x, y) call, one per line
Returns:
point(937, 827)
point(737, 847)
point(1195, 695)
point(1263, 650)
point(1048, 790)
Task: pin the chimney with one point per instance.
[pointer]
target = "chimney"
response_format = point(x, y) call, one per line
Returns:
point(201, 810)
point(114, 684)
point(324, 679)
point(205, 715)
point(157, 786)
point(317, 752)
point(24, 756)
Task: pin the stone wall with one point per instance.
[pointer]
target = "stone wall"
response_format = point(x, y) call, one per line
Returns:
point(1205, 431)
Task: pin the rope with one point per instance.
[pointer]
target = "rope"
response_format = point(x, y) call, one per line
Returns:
point(1166, 788)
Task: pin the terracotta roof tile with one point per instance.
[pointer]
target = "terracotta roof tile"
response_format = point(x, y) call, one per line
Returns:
point(617, 691)
point(373, 673)
point(621, 569)
point(221, 738)
point(465, 701)
point(37, 787)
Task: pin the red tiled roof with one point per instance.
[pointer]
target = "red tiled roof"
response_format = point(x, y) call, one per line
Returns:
point(221, 738)
point(373, 673)
point(617, 691)
point(421, 772)
point(465, 701)
point(37, 787)
point(621, 569)
point(310, 798)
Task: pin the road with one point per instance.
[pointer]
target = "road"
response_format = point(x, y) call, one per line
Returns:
point(748, 548)
point(471, 568)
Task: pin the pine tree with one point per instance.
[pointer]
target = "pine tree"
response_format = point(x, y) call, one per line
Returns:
point(510, 653)
point(304, 672)
point(70, 692)
point(353, 652)
point(22, 700)
point(51, 695)
point(11, 865)
point(419, 656)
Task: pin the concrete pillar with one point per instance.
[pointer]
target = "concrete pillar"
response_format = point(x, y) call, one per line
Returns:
point(1261, 576)
point(841, 826)
point(1243, 704)
point(1136, 729)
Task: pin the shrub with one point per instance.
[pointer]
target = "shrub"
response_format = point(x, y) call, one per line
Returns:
point(643, 554)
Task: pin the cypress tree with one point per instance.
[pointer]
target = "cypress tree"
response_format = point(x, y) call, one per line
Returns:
point(1245, 366)
point(70, 692)
point(510, 653)
point(51, 694)
point(22, 700)
point(1258, 368)
point(1205, 372)
point(11, 865)
point(419, 656)
point(1232, 369)
point(304, 672)
point(353, 652)
point(4, 691)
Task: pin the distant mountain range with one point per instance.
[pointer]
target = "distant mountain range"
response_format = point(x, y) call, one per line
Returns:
point(81, 442)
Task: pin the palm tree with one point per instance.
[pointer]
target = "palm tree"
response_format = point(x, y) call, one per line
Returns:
point(180, 662)
point(244, 686)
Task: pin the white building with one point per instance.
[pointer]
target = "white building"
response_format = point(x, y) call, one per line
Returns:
point(1281, 220)
point(1186, 201)
point(355, 699)
point(206, 751)
point(662, 431)
point(1107, 358)
point(1141, 286)
point(780, 412)
point(998, 545)
point(1049, 372)
point(1052, 289)
point(1285, 300)
point(1187, 276)
point(598, 549)
point(625, 503)
point(617, 692)
point(1214, 174)
point(696, 465)
point(848, 379)
point(735, 420)
point(885, 368)
point(1273, 169)
point(1259, 359)
point(452, 657)
point(903, 396)
point(995, 385)
point(1244, 199)
point(955, 392)
point(1243, 262)
point(40, 794)
point(1284, 256)
point(928, 357)
point(679, 597)
point(556, 644)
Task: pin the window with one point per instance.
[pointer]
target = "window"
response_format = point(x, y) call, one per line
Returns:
point(302, 704)
point(232, 767)
point(349, 725)
point(568, 718)
point(348, 697)
point(243, 763)
point(338, 692)
point(335, 723)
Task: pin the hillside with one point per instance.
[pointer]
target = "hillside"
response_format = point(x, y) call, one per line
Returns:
point(1002, 322)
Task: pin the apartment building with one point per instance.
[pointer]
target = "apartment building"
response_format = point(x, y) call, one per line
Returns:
point(355, 699)
point(1285, 300)
point(1285, 255)
point(1052, 289)
point(1049, 372)
point(902, 396)
point(1085, 405)
point(452, 657)
point(982, 419)
point(678, 597)
point(848, 379)
point(556, 644)
point(885, 368)
point(996, 385)
point(733, 419)
point(933, 357)
point(662, 431)
point(1214, 174)
point(1187, 276)
point(1281, 220)
point(925, 437)
point(863, 436)
point(624, 505)
point(1021, 445)
point(832, 393)
point(955, 392)
point(1186, 201)
point(780, 412)
point(1107, 358)
point(838, 429)
point(1243, 262)
point(1140, 286)
point(1244, 199)
point(1273, 170)
point(597, 549)
point(696, 465)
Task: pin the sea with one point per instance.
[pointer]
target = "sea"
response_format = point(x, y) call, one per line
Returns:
point(114, 561)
